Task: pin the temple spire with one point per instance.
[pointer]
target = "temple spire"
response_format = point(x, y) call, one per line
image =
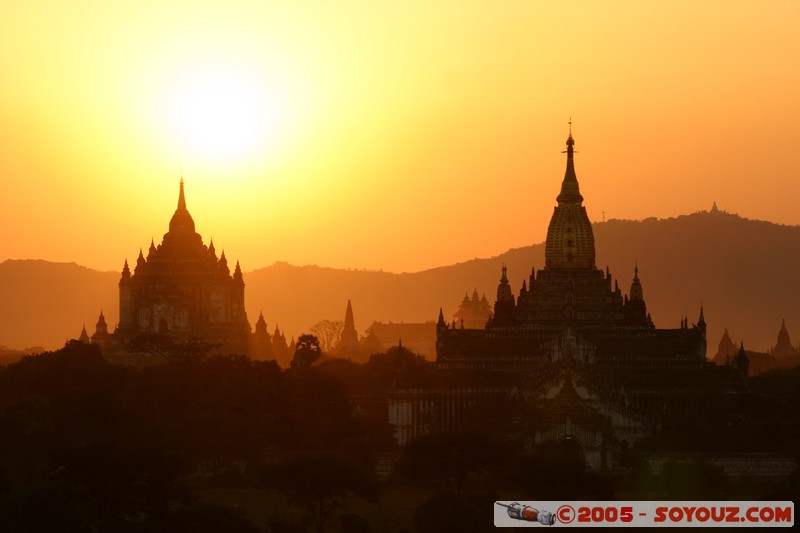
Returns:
point(636, 292)
point(349, 321)
point(181, 197)
point(504, 293)
point(126, 273)
point(181, 221)
point(570, 192)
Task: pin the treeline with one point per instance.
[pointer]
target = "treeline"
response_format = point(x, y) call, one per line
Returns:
point(86, 445)
point(92, 446)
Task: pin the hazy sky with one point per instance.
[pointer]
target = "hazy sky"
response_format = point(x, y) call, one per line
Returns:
point(387, 135)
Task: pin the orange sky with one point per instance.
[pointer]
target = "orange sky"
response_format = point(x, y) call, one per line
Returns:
point(396, 136)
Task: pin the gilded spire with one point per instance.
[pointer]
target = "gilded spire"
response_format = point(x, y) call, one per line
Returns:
point(570, 192)
point(570, 240)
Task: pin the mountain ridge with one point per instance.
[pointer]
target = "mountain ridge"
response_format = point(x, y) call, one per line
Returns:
point(741, 270)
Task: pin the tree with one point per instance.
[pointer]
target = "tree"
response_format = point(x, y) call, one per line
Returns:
point(329, 333)
point(164, 346)
point(319, 482)
point(306, 352)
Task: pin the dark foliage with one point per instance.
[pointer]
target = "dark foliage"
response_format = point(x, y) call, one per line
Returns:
point(320, 482)
point(306, 353)
point(691, 480)
point(456, 512)
point(451, 457)
point(557, 470)
point(164, 346)
point(397, 362)
point(199, 519)
point(89, 445)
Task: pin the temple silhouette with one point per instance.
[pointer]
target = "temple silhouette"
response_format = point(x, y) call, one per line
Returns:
point(571, 298)
point(573, 346)
point(184, 291)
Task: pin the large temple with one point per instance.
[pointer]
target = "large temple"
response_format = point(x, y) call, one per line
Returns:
point(181, 289)
point(570, 298)
point(587, 357)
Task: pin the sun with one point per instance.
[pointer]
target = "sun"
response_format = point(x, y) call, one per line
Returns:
point(224, 113)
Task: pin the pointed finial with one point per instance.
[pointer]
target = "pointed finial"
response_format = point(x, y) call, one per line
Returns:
point(570, 141)
point(181, 197)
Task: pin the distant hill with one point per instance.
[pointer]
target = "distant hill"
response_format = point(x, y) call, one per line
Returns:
point(44, 303)
point(745, 272)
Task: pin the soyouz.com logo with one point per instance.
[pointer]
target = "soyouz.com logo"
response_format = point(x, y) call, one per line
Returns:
point(644, 514)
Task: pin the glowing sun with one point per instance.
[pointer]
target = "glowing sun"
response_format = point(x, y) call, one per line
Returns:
point(225, 112)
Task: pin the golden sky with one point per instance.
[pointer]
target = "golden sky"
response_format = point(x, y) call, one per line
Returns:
point(387, 135)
